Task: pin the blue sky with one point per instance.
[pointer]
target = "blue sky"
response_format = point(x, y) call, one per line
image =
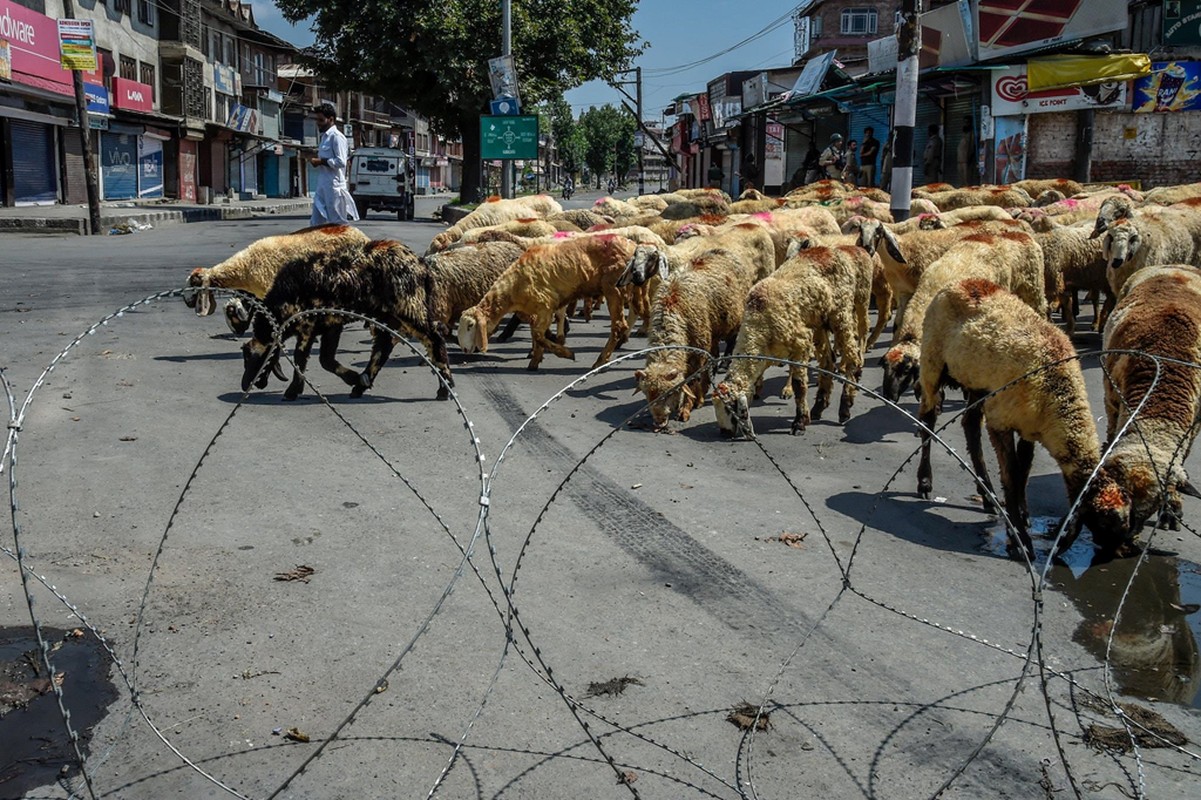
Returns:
point(678, 33)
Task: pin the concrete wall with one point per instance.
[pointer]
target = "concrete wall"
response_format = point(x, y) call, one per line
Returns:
point(1157, 149)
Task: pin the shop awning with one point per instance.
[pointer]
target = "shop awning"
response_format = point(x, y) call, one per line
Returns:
point(1064, 72)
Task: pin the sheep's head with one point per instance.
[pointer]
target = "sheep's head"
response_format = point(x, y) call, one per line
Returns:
point(473, 331)
point(258, 360)
point(732, 408)
point(237, 316)
point(202, 300)
point(797, 243)
point(1140, 484)
point(900, 369)
point(1106, 510)
point(1121, 244)
point(1113, 209)
point(665, 393)
point(1048, 197)
point(647, 262)
point(931, 222)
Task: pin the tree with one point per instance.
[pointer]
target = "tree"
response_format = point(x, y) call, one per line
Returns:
point(432, 55)
point(566, 134)
point(608, 134)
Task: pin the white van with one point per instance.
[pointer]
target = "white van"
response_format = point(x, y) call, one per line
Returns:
point(382, 179)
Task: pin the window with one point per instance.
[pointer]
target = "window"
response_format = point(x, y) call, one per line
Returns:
point(858, 21)
point(129, 68)
point(147, 75)
point(815, 25)
point(146, 12)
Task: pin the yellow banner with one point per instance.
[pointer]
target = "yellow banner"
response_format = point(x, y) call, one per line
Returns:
point(1063, 72)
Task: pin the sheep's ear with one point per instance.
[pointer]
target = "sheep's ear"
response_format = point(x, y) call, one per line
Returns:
point(659, 251)
point(481, 336)
point(691, 395)
point(892, 245)
point(204, 303)
point(638, 376)
point(795, 245)
point(1185, 486)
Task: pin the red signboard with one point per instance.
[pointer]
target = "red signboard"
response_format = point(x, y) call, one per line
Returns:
point(132, 96)
point(33, 42)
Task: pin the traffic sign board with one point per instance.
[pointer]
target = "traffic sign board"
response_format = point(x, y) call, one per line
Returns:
point(508, 137)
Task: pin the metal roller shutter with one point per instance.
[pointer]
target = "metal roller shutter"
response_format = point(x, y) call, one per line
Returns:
point(75, 187)
point(119, 166)
point(35, 176)
point(961, 109)
point(875, 116)
point(929, 112)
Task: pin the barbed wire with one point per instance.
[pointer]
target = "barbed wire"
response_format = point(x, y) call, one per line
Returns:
point(522, 638)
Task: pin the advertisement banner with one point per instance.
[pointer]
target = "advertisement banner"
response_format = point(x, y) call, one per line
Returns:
point(6, 61)
point(223, 79)
point(1171, 86)
point(1011, 95)
point(1181, 23)
point(242, 118)
point(1057, 72)
point(97, 98)
point(702, 108)
point(1010, 151)
point(502, 73)
point(76, 44)
point(33, 46)
point(132, 96)
point(1007, 27)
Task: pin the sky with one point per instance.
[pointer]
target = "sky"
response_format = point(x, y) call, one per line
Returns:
point(678, 33)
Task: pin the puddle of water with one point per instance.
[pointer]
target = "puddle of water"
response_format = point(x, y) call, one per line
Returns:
point(33, 741)
point(1155, 650)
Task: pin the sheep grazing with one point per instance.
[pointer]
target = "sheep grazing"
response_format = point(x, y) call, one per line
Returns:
point(544, 279)
point(1012, 260)
point(1159, 315)
point(382, 279)
point(253, 268)
point(791, 314)
point(881, 291)
point(751, 241)
point(495, 211)
point(983, 339)
point(699, 307)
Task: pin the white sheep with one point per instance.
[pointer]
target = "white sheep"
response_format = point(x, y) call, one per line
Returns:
point(983, 339)
point(1133, 243)
point(495, 211)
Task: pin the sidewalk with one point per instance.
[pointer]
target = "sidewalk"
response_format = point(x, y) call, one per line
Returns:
point(73, 218)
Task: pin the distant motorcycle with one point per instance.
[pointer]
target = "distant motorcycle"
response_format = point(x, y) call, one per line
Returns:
point(568, 191)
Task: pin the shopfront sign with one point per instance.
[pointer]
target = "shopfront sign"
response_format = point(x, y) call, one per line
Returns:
point(1011, 95)
point(6, 61)
point(132, 96)
point(1006, 27)
point(1182, 23)
point(97, 97)
point(1171, 86)
point(33, 46)
point(243, 118)
point(223, 79)
point(76, 44)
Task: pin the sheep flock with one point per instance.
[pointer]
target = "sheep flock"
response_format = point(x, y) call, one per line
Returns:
point(979, 290)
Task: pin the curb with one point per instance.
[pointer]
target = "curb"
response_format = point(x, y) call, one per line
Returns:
point(452, 214)
point(112, 217)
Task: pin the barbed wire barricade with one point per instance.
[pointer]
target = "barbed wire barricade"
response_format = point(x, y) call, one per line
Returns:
point(674, 747)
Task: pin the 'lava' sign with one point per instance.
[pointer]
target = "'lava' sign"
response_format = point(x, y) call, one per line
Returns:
point(132, 96)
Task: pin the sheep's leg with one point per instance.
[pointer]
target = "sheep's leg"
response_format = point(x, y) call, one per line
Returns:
point(1106, 309)
point(883, 312)
point(538, 326)
point(379, 356)
point(902, 304)
point(510, 328)
point(561, 325)
point(972, 419)
point(619, 332)
point(437, 354)
point(1067, 311)
point(1009, 457)
point(327, 356)
point(300, 357)
point(928, 416)
point(852, 369)
point(825, 382)
point(799, 380)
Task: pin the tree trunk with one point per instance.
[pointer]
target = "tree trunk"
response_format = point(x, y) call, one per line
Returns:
point(470, 191)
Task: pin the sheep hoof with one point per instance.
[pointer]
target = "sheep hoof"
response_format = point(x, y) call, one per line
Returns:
point(798, 426)
point(443, 393)
point(817, 411)
point(924, 487)
point(292, 392)
point(725, 434)
point(844, 415)
point(532, 366)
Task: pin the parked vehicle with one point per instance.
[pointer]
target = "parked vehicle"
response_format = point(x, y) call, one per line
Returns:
point(383, 179)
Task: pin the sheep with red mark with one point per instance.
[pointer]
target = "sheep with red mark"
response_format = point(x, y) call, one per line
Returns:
point(1134, 243)
point(947, 219)
point(984, 340)
point(495, 211)
point(1158, 315)
point(545, 278)
point(1012, 260)
point(792, 314)
point(527, 227)
point(382, 279)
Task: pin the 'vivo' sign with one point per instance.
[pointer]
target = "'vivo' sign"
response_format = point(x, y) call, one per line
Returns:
point(132, 96)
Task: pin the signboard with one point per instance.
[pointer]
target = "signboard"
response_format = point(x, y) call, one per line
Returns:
point(508, 137)
point(132, 96)
point(76, 44)
point(703, 113)
point(97, 98)
point(243, 119)
point(502, 73)
point(1171, 86)
point(811, 77)
point(754, 91)
point(1182, 23)
point(1007, 27)
point(1010, 152)
point(33, 49)
point(223, 79)
point(1011, 97)
point(6, 61)
point(505, 106)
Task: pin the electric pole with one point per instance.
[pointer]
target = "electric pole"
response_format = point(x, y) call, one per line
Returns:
point(909, 46)
point(506, 50)
point(89, 160)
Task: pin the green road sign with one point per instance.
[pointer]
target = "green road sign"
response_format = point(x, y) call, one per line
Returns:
point(508, 137)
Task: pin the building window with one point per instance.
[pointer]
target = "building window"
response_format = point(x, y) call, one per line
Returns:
point(815, 26)
point(146, 12)
point(129, 68)
point(147, 75)
point(121, 6)
point(858, 21)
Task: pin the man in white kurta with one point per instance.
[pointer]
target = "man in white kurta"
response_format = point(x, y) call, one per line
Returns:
point(332, 201)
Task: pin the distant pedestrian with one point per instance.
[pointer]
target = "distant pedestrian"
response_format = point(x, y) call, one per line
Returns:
point(811, 165)
point(868, 151)
point(932, 155)
point(332, 201)
point(966, 157)
point(886, 162)
point(749, 172)
point(850, 172)
point(833, 158)
point(716, 173)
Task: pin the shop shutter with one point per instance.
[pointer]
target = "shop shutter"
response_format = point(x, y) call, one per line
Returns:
point(34, 173)
point(150, 167)
point(75, 188)
point(119, 166)
point(929, 112)
point(965, 107)
point(875, 116)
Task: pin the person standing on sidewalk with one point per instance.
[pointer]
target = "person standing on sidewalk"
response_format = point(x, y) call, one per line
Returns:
point(332, 201)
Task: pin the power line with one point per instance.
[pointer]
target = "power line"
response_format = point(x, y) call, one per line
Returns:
point(771, 27)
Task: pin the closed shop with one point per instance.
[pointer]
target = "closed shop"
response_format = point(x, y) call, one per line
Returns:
point(118, 164)
point(75, 187)
point(875, 116)
point(962, 111)
point(150, 166)
point(929, 112)
point(34, 163)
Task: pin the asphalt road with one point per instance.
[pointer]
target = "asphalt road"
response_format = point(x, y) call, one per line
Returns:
point(659, 580)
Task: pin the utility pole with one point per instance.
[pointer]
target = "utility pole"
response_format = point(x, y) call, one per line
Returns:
point(89, 160)
point(909, 45)
point(636, 110)
point(506, 49)
point(642, 143)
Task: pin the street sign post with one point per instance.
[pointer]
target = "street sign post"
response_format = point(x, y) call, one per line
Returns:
point(508, 137)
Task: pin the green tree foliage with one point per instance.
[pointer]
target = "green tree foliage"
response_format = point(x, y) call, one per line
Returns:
point(432, 55)
point(608, 134)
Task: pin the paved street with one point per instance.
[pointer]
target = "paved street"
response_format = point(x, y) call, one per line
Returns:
point(659, 580)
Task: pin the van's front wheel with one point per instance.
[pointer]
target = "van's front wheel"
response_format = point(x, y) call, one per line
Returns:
point(361, 207)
